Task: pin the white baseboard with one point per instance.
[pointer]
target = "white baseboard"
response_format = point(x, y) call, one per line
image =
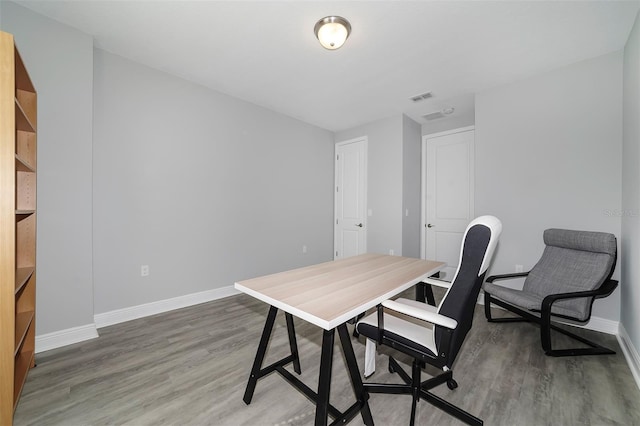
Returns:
point(57, 339)
point(630, 353)
point(602, 325)
point(153, 308)
point(73, 335)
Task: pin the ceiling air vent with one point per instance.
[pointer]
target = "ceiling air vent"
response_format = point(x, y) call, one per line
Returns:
point(421, 97)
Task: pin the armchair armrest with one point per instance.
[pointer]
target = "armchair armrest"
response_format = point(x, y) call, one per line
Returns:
point(604, 290)
point(421, 314)
point(493, 278)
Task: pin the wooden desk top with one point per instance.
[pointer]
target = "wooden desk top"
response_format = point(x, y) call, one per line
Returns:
point(329, 294)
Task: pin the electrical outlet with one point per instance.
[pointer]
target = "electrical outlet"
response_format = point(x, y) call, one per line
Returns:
point(391, 252)
point(304, 249)
point(144, 271)
point(519, 268)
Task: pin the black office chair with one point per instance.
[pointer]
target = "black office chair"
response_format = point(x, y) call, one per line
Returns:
point(575, 269)
point(451, 320)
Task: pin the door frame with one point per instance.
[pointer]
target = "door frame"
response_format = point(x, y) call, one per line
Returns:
point(365, 144)
point(423, 198)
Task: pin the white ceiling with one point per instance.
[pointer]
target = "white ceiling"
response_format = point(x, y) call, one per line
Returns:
point(265, 52)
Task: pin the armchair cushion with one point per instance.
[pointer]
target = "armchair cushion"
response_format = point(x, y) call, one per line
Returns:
point(528, 301)
point(563, 270)
point(596, 242)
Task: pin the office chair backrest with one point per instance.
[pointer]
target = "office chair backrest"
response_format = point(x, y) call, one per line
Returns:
point(572, 261)
point(478, 245)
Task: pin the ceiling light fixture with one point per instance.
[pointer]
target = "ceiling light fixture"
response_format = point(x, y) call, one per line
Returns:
point(439, 114)
point(332, 31)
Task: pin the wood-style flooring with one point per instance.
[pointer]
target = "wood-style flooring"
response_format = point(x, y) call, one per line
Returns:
point(190, 367)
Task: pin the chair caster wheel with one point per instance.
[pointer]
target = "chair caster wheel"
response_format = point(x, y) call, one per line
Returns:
point(452, 384)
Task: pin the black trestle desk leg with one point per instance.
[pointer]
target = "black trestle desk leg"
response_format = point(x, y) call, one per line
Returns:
point(420, 292)
point(424, 291)
point(431, 300)
point(324, 381)
point(293, 344)
point(262, 350)
point(356, 381)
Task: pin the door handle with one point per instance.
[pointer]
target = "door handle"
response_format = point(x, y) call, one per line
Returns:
point(359, 225)
point(430, 225)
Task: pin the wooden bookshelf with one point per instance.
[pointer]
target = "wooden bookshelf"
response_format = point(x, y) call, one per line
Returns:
point(18, 175)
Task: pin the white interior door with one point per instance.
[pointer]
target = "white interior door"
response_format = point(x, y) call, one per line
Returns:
point(448, 189)
point(350, 227)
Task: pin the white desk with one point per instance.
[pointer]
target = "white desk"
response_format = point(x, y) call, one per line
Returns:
point(328, 295)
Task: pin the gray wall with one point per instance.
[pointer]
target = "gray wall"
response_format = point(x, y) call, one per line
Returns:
point(196, 184)
point(394, 173)
point(384, 193)
point(60, 62)
point(202, 187)
point(630, 266)
point(548, 154)
point(411, 186)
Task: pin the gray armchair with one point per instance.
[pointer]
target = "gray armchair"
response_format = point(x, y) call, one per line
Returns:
point(575, 269)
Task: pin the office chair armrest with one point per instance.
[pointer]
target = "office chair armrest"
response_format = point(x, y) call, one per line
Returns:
point(421, 314)
point(493, 278)
point(437, 282)
point(604, 290)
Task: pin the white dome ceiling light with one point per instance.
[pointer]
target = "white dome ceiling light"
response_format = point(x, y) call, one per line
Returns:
point(332, 31)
